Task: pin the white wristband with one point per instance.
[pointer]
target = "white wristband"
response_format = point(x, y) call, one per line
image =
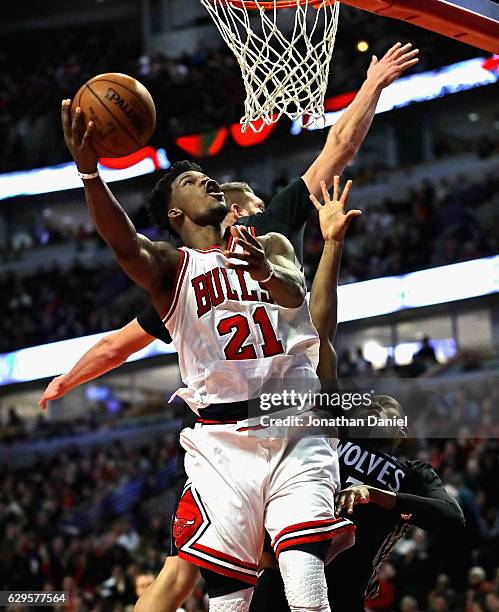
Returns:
point(266, 280)
point(86, 177)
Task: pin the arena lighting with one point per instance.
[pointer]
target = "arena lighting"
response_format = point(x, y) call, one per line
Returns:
point(426, 86)
point(407, 90)
point(48, 360)
point(63, 176)
point(371, 298)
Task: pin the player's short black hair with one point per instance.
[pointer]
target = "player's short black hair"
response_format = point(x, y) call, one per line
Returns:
point(158, 200)
point(388, 402)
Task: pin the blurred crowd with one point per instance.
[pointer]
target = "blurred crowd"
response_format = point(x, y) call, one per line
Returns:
point(54, 303)
point(41, 549)
point(193, 92)
point(436, 224)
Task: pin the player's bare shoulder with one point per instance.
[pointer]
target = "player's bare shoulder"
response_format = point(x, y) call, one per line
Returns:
point(274, 243)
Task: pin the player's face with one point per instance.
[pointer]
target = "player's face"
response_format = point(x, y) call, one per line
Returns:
point(199, 197)
point(388, 435)
point(399, 432)
point(252, 205)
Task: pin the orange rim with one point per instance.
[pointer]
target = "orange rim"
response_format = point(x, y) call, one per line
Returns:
point(270, 5)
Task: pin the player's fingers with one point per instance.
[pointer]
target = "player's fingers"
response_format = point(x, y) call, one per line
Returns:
point(244, 256)
point(43, 403)
point(401, 50)
point(76, 126)
point(315, 202)
point(374, 61)
point(336, 188)
point(392, 50)
point(407, 56)
point(87, 137)
point(234, 266)
point(66, 117)
point(408, 64)
point(340, 502)
point(325, 192)
point(254, 249)
point(346, 193)
point(247, 236)
point(351, 502)
point(353, 213)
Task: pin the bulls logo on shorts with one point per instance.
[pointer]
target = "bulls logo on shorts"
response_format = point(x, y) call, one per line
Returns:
point(180, 523)
point(188, 519)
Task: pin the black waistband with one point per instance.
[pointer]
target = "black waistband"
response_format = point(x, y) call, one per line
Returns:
point(223, 413)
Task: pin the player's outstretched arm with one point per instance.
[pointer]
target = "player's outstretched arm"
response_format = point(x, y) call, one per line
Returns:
point(334, 223)
point(428, 507)
point(348, 133)
point(109, 353)
point(269, 260)
point(147, 263)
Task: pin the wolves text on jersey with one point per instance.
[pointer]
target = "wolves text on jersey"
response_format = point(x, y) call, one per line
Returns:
point(369, 467)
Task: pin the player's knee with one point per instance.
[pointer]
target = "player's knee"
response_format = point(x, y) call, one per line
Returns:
point(304, 581)
point(238, 601)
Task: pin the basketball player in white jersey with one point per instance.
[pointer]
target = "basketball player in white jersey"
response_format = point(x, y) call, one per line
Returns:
point(235, 308)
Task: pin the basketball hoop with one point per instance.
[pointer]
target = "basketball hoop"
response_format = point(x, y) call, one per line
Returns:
point(284, 49)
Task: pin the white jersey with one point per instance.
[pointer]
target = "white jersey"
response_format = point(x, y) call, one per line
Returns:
point(230, 336)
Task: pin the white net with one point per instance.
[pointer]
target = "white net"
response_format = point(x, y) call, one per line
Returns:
point(284, 55)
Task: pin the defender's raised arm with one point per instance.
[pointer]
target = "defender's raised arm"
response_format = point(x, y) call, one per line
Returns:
point(334, 223)
point(348, 133)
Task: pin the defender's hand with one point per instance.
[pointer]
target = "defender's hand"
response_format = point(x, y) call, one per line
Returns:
point(333, 219)
point(55, 389)
point(348, 498)
point(396, 60)
point(78, 138)
point(257, 264)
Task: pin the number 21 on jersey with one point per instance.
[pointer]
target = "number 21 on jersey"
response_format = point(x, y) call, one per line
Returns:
point(239, 326)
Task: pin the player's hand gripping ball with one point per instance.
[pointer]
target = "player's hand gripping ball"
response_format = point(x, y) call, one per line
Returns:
point(122, 111)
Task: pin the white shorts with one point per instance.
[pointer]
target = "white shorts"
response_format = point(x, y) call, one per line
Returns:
point(239, 484)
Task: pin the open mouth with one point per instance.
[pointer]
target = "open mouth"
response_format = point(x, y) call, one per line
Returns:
point(213, 189)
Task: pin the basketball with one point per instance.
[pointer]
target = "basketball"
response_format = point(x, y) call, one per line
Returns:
point(123, 112)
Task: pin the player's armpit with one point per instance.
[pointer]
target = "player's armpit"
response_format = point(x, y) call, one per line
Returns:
point(160, 259)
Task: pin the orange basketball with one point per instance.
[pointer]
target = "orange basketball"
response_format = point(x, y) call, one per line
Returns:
point(123, 112)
